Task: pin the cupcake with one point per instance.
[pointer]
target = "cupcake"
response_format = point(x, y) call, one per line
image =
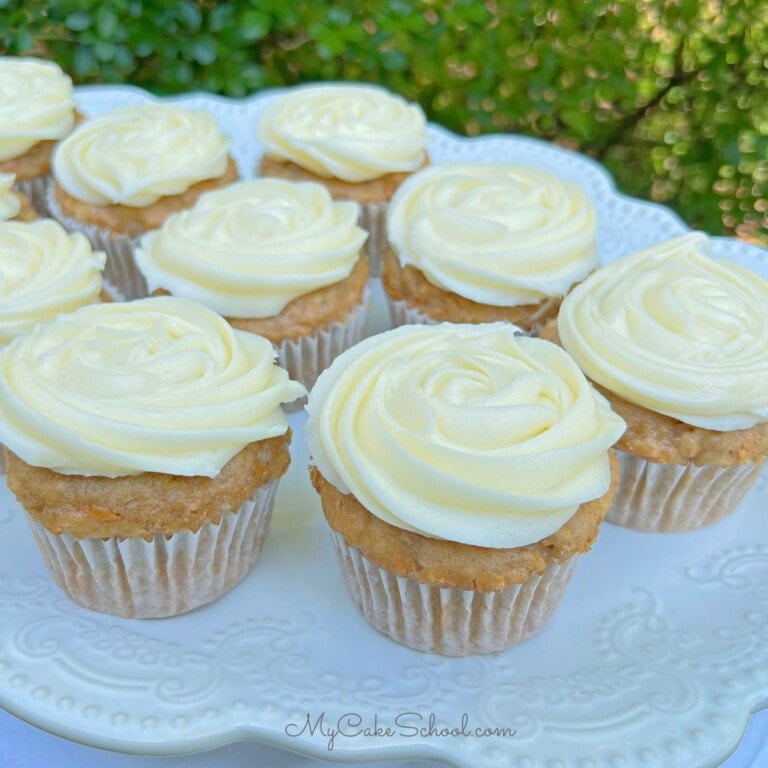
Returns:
point(123, 173)
point(144, 440)
point(483, 242)
point(37, 109)
point(43, 271)
point(462, 468)
point(278, 258)
point(676, 340)
point(14, 205)
point(359, 140)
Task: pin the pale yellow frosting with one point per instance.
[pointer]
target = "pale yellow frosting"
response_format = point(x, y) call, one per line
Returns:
point(248, 249)
point(504, 235)
point(36, 104)
point(137, 154)
point(44, 270)
point(160, 384)
point(471, 433)
point(346, 131)
point(10, 205)
point(676, 331)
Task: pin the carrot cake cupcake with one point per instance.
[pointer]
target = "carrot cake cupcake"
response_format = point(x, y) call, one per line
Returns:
point(359, 140)
point(462, 468)
point(145, 440)
point(676, 340)
point(483, 242)
point(43, 271)
point(37, 109)
point(278, 258)
point(123, 173)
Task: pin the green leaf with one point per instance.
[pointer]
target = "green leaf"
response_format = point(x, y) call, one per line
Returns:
point(106, 22)
point(189, 15)
point(254, 25)
point(78, 22)
point(581, 122)
point(203, 50)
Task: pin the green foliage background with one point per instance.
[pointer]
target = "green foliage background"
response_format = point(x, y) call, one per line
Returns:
point(672, 96)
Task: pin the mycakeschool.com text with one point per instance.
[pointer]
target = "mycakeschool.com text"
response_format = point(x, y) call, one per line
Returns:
point(410, 725)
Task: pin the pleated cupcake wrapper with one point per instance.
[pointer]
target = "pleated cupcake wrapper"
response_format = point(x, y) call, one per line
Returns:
point(134, 578)
point(652, 496)
point(373, 219)
point(35, 190)
point(451, 622)
point(400, 313)
point(307, 356)
point(120, 269)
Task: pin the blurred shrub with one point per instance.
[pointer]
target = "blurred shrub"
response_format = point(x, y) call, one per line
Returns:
point(670, 96)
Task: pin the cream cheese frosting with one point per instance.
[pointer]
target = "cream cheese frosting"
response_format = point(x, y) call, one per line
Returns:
point(676, 331)
point(44, 270)
point(137, 154)
point(36, 104)
point(345, 131)
point(250, 248)
point(160, 384)
point(10, 205)
point(503, 235)
point(471, 433)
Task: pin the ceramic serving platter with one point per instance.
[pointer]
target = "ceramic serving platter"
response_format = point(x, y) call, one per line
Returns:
point(655, 658)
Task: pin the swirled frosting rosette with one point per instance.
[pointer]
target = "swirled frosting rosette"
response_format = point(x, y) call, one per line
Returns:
point(135, 155)
point(44, 271)
point(497, 234)
point(10, 205)
point(346, 131)
point(677, 332)
point(470, 433)
point(156, 385)
point(247, 250)
point(36, 104)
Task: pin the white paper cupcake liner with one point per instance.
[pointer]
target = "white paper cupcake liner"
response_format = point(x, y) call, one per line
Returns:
point(401, 314)
point(133, 578)
point(652, 496)
point(120, 269)
point(373, 219)
point(36, 191)
point(451, 622)
point(306, 357)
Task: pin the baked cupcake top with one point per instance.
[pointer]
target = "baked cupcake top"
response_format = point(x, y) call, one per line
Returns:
point(345, 131)
point(155, 385)
point(466, 432)
point(10, 203)
point(675, 331)
point(135, 155)
point(250, 248)
point(36, 104)
point(503, 235)
point(44, 271)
